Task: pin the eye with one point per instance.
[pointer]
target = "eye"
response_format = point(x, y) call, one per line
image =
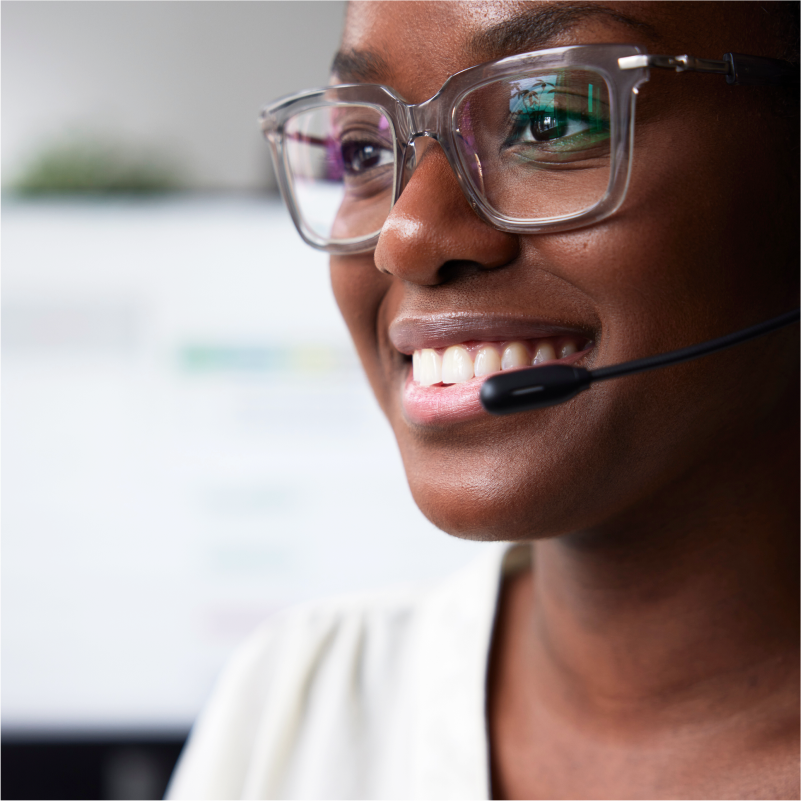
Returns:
point(359, 157)
point(556, 115)
point(547, 125)
point(543, 126)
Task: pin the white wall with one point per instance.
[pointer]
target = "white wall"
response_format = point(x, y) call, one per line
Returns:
point(185, 77)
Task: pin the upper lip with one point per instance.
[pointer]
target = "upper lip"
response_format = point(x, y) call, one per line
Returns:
point(410, 333)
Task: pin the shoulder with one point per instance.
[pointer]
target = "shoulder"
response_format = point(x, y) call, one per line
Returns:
point(335, 697)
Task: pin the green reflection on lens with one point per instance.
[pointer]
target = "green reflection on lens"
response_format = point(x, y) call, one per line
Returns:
point(547, 121)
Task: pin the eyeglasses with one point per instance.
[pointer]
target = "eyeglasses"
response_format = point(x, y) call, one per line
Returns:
point(538, 142)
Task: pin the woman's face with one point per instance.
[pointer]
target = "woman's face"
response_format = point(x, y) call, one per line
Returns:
point(704, 244)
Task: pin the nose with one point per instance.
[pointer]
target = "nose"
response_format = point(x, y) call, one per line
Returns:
point(432, 235)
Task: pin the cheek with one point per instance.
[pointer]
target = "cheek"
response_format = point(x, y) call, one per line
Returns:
point(358, 294)
point(360, 290)
point(676, 264)
point(696, 226)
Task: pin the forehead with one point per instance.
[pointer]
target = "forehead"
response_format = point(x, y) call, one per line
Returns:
point(414, 46)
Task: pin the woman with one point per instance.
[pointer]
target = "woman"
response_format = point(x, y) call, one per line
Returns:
point(641, 639)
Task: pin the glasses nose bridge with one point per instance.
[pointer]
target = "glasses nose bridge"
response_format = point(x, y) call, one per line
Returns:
point(427, 119)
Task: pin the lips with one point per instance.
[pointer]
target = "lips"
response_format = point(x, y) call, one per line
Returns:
point(453, 354)
point(408, 334)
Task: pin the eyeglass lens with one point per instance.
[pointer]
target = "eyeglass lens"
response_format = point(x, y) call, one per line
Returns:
point(536, 147)
point(341, 163)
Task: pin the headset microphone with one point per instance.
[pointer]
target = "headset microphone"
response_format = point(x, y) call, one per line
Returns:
point(538, 387)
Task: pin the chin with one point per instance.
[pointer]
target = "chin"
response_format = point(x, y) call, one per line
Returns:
point(484, 508)
point(511, 487)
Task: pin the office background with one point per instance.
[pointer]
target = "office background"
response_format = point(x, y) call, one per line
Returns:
point(188, 442)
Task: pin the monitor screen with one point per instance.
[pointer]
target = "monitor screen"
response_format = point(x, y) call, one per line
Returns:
point(189, 445)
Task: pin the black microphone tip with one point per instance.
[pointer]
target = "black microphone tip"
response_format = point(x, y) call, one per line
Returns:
point(533, 388)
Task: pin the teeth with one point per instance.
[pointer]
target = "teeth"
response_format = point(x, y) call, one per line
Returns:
point(487, 361)
point(430, 367)
point(457, 366)
point(544, 353)
point(459, 363)
point(514, 355)
point(568, 349)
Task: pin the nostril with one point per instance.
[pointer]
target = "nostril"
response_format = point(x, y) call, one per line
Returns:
point(455, 270)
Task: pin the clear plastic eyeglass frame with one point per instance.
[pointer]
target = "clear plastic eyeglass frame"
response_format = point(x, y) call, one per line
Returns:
point(623, 67)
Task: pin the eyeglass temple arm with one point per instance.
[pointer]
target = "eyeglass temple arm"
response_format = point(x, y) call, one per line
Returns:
point(739, 70)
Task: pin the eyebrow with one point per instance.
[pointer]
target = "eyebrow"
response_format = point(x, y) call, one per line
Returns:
point(360, 65)
point(529, 30)
point(538, 28)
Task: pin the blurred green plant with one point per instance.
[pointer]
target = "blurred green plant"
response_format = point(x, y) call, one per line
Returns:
point(83, 166)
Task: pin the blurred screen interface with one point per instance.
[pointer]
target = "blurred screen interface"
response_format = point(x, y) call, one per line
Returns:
point(189, 443)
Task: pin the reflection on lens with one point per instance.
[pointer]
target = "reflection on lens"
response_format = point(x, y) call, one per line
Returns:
point(537, 146)
point(341, 163)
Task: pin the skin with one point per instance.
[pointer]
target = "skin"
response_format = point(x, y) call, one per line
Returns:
point(652, 650)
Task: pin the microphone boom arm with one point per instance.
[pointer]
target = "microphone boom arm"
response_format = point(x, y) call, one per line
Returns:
point(538, 387)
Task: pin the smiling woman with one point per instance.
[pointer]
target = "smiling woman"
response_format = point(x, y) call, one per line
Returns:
point(493, 198)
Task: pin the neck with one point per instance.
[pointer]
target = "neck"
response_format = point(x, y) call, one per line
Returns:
point(691, 599)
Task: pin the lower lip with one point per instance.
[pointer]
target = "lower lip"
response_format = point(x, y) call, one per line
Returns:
point(441, 405)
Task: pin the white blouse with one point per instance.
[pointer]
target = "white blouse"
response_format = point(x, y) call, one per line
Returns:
point(373, 696)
